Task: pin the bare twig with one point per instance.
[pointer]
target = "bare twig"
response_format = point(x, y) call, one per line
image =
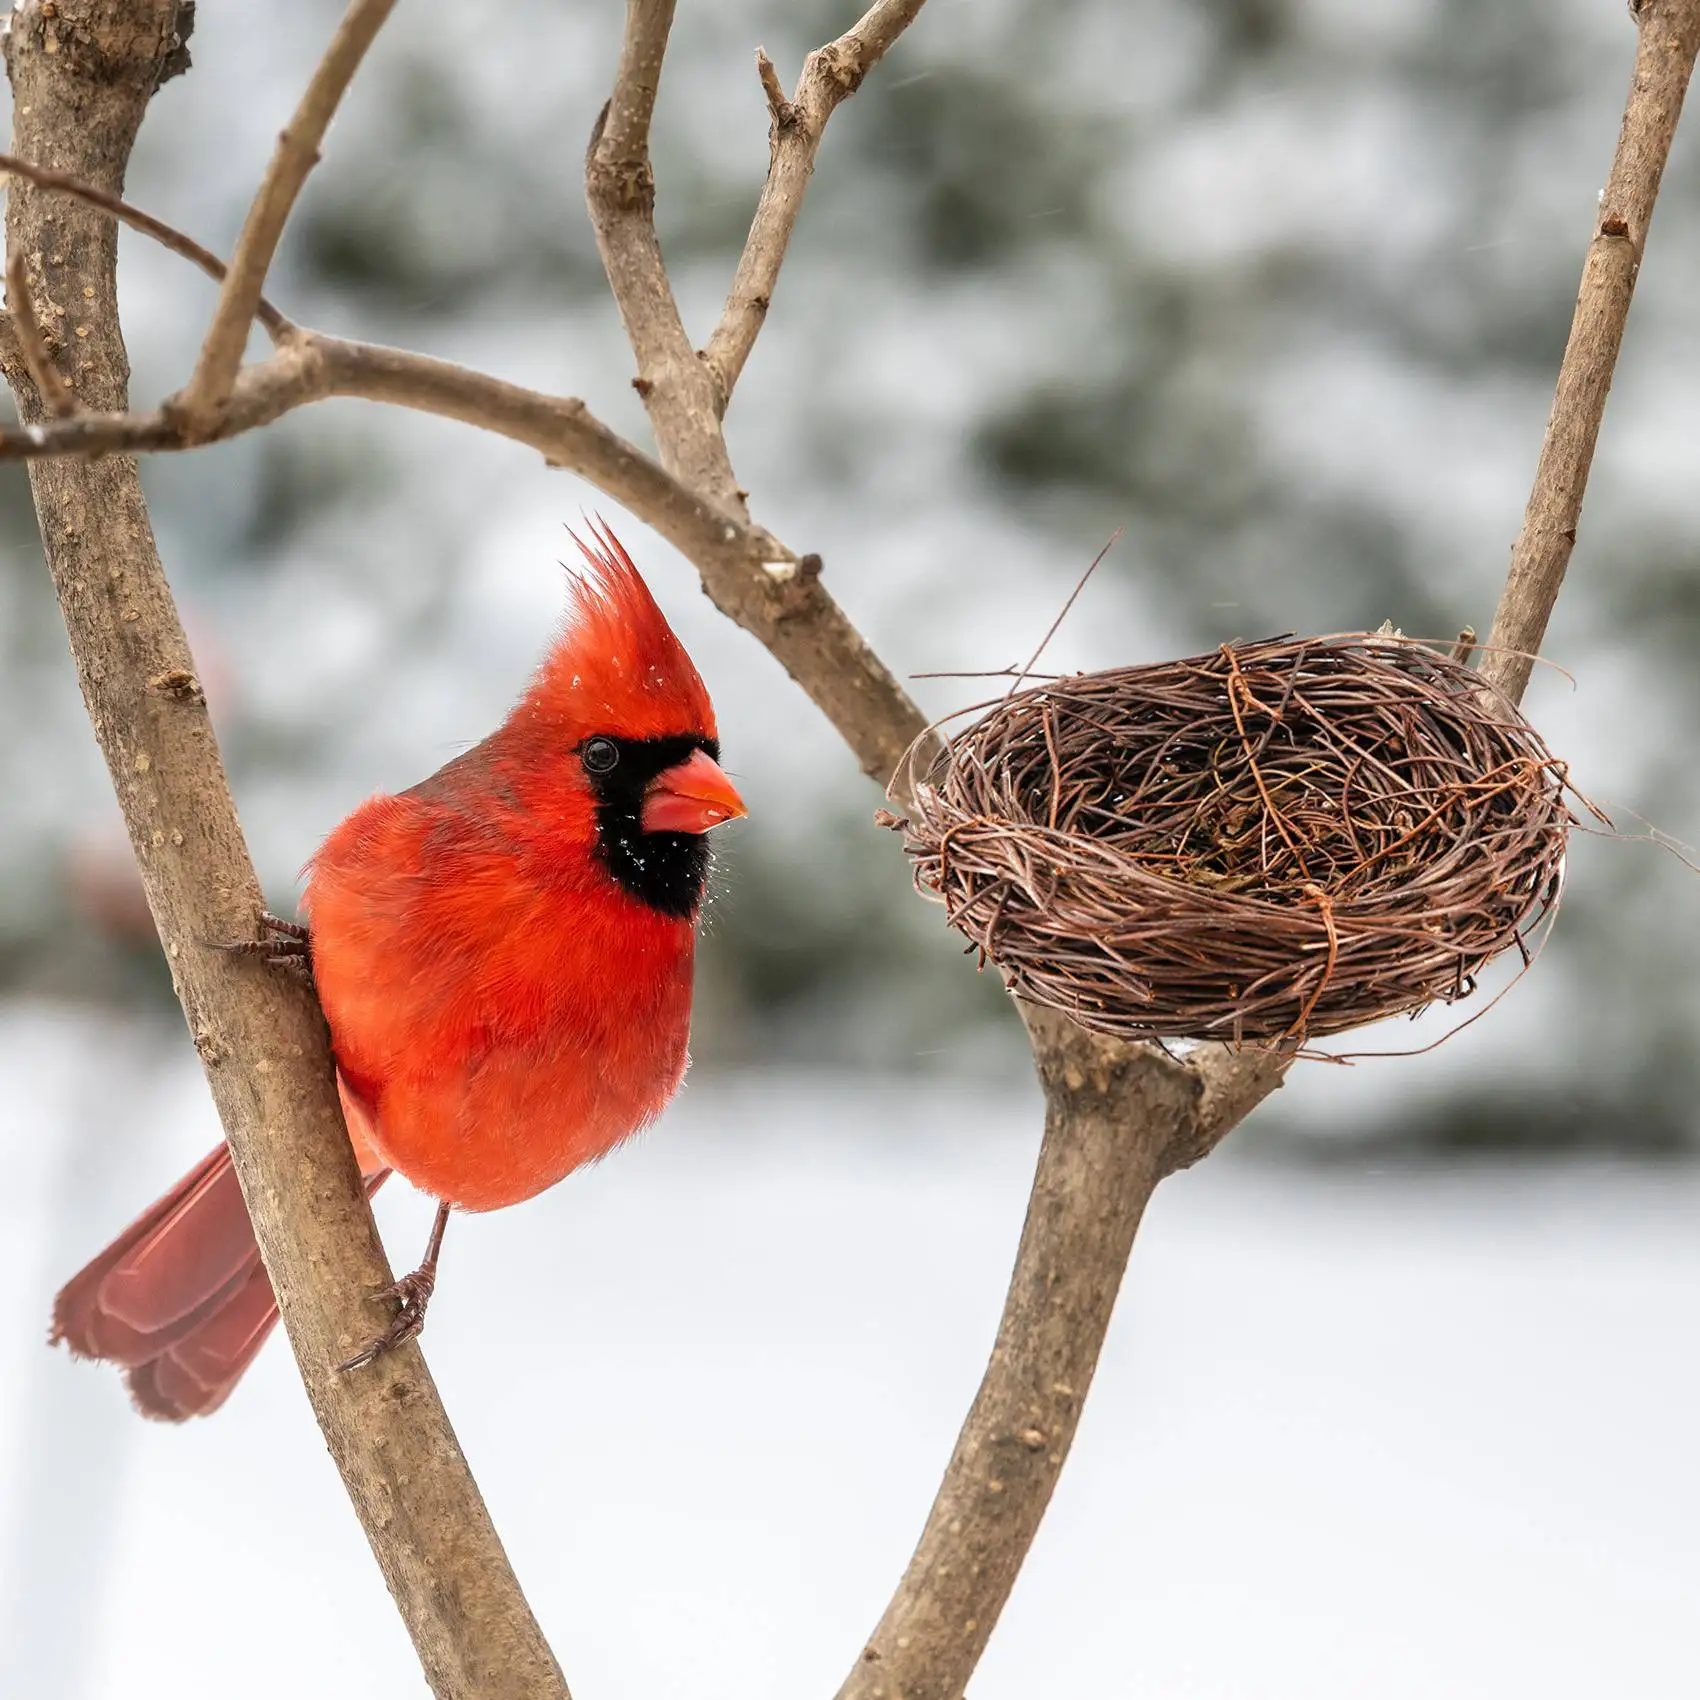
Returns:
point(259, 1034)
point(49, 381)
point(830, 75)
point(186, 247)
point(296, 154)
point(779, 108)
point(677, 392)
point(1669, 38)
point(751, 577)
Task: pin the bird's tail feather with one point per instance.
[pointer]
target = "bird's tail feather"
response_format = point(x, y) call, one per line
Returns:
point(180, 1300)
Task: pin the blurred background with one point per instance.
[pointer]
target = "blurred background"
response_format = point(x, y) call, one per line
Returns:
point(1398, 1400)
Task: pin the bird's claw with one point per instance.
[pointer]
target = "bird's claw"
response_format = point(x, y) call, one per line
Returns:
point(414, 1293)
point(279, 941)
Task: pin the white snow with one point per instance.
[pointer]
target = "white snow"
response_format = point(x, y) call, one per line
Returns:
point(1403, 1434)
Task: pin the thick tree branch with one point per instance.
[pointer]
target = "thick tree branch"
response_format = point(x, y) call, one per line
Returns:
point(1118, 1119)
point(82, 72)
point(831, 74)
point(296, 154)
point(1668, 40)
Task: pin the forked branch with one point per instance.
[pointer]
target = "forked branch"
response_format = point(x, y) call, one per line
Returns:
point(1119, 1117)
point(831, 74)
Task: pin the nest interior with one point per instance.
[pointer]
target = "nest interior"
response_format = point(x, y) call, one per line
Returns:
point(1272, 842)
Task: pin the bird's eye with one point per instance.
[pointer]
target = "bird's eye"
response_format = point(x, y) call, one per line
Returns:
point(600, 755)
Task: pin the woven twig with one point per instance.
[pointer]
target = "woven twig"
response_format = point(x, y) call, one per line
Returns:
point(1272, 842)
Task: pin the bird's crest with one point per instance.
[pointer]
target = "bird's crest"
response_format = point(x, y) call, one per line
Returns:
point(618, 664)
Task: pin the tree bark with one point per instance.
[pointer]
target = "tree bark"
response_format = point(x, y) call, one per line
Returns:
point(82, 73)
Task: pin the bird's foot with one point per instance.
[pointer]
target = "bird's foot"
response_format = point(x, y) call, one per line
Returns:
point(414, 1291)
point(279, 941)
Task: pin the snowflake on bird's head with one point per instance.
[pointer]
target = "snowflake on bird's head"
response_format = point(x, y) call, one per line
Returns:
point(618, 662)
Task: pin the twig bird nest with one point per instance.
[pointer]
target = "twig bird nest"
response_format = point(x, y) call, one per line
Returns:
point(1273, 842)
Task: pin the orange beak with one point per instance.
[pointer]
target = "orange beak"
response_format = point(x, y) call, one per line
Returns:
point(691, 797)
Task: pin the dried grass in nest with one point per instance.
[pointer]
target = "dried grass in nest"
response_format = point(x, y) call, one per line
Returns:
point(1273, 842)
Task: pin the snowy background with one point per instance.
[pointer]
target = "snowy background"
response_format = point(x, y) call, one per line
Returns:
point(1401, 1431)
point(1402, 1397)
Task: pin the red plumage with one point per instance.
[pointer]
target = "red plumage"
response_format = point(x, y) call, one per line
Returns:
point(504, 954)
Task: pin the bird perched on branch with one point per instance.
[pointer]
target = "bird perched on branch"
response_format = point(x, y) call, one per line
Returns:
point(504, 955)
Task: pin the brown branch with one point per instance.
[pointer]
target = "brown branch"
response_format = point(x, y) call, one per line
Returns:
point(1118, 1119)
point(1096, 1156)
point(82, 72)
point(49, 381)
point(749, 575)
point(296, 154)
point(831, 74)
point(185, 247)
point(1667, 44)
point(678, 392)
point(779, 108)
point(779, 597)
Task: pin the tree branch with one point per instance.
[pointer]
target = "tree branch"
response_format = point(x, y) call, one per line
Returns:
point(619, 183)
point(185, 247)
point(56, 395)
point(831, 74)
point(1118, 1119)
point(1100, 1162)
point(1668, 41)
point(82, 73)
point(296, 154)
point(749, 574)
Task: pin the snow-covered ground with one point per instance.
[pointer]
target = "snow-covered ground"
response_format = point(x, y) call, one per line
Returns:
point(1407, 1433)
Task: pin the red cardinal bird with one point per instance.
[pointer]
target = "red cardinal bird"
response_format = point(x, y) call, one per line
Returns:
point(504, 956)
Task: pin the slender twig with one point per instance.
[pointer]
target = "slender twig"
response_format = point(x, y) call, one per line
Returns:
point(50, 382)
point(167, 236)
point(779, 107)
point(749, 574)
point(830, 75)
point(296, 154)
point(1668, 41)
point(678, 393)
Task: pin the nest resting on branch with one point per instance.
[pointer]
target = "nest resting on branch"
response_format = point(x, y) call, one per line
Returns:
point(1272, 842)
